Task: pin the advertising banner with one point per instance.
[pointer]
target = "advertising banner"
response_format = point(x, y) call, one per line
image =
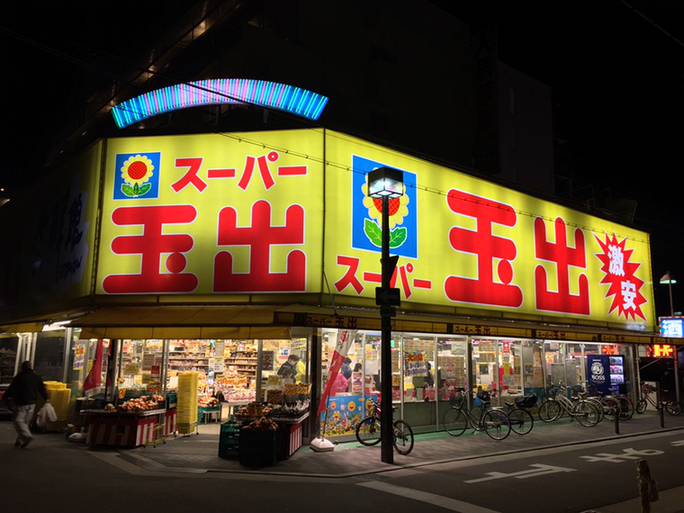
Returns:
point(598, 372)
point(275, 212)
point(213, 214)
point(465, 242)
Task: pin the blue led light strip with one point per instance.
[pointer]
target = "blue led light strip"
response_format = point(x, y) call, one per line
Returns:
point(220, 91)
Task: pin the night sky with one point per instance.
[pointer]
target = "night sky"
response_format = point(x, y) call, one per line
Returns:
point(616, 74)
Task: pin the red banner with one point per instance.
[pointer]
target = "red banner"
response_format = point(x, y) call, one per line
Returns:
point(344, 341)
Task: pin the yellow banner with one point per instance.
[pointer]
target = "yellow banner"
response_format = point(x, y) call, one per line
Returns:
point(469, 243)
point(213, 214)
point(266, 212)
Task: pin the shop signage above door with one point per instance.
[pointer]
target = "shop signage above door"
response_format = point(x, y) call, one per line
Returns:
point(285, 211)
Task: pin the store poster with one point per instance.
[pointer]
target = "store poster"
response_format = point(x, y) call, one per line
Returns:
point(79, 357)
point(415, 363)
point(267, 358)
point(357, 382)
point(343, 413)
point(598, 372)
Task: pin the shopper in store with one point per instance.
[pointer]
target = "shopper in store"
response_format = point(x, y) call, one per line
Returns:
point(298, 368)
point(24, 391)
point(340, 384)
point(288, 375)
point(358, 367)
point(346, 369)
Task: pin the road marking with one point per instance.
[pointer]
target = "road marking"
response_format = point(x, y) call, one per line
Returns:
point(677, 443)
point(429, 498)
point(629, 454)
point(538, 470)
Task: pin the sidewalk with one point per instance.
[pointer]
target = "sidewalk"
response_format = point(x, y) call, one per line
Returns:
point(199, 453)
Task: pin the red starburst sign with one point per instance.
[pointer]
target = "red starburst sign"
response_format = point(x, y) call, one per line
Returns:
point(620, 277)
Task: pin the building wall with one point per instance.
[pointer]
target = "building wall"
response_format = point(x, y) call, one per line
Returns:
point(525, 130)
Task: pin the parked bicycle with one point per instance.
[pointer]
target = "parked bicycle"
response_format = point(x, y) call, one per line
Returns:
point(457, 418)
point(671, 407)
point(519, 418)
point(368, 431)
point(586, 412)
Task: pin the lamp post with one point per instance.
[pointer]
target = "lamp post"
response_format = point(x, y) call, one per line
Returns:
point(385, 183)
point(668, 280)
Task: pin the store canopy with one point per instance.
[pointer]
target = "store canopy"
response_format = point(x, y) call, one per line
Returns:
point(162, 322)
point(26, 327)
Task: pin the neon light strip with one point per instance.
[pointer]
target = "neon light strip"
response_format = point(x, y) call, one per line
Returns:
point(218, 92)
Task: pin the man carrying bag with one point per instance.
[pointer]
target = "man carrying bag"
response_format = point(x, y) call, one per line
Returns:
point(24, 391)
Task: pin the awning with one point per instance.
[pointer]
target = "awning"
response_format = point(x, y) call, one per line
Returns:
point(168, 321)
point(234, 332)
point(25, 327)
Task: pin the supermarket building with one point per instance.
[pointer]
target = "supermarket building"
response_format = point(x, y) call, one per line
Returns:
point(225, 253)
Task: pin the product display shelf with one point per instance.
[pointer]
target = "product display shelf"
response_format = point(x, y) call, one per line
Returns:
point(244, 362)
point(185, 360)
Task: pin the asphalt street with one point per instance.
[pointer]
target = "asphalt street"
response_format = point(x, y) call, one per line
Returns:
point(559, 467)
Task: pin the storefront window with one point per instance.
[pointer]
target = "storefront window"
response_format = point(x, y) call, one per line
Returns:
point(532, 369)
point(451, 366)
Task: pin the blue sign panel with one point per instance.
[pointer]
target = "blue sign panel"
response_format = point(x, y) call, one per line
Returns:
point(672, 327)
point(598, 372)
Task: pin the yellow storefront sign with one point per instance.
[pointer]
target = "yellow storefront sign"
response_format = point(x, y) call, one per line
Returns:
point(286, 212)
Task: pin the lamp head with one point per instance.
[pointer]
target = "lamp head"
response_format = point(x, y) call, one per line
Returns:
point(668, 279)
point(385, 181)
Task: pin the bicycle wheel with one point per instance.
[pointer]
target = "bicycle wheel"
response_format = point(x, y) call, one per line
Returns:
point(611, 407)
point(521, 421)
point(549, 411)
point(585, 413)
point(673, 408)
point(495, 424)
point(368, 431)
point(403, 437)
point(476, 414)
point(454, 421)
point(641, 406)
point(599, 407)
point(626, 408)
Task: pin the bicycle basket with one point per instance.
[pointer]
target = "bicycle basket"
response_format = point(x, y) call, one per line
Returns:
point(456, 399)
point(526, 401)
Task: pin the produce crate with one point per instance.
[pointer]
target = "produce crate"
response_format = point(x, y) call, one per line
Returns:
point(229, 440)
point(258, 448)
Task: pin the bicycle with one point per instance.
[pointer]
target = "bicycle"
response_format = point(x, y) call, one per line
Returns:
point(586, 412)
point(368, 431)
point(457, 418)
point(671, 407)
point(521, 420)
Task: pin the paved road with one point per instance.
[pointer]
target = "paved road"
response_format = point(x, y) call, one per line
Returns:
point(571, 469)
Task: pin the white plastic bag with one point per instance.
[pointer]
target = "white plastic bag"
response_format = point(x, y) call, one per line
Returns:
point(45, 415)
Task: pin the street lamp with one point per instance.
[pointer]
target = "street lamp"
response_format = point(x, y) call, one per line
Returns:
point(386, 183)
point(668, 280)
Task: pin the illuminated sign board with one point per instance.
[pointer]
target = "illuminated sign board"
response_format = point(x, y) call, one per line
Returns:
point(221, 91)
point(275, 212)
point(661, 351)
point(672, 327)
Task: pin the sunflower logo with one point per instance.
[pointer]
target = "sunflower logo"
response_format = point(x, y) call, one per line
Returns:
point(136, 172)
point(397, 211)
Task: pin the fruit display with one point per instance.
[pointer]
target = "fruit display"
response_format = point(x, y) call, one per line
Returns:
point(209, 402)
point(253, 410)
point(142, 403)
point(277, 411)
point(262, 424)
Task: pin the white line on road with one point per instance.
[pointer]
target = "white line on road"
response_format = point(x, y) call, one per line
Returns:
point(429, 498)
point(539, 470)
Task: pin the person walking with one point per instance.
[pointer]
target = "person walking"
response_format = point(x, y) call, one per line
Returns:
point(23, 392)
